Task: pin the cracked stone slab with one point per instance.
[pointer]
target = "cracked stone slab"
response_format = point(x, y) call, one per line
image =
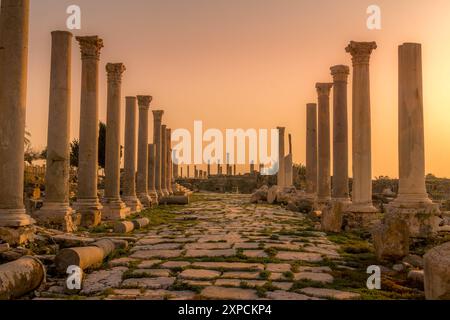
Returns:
point(98, 281)
point(223, 293)
point(314, 276)
point(149, 283)
point(199, 274)
point(302, 256)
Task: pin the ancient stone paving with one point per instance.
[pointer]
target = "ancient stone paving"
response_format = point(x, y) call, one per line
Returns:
point(219, 247)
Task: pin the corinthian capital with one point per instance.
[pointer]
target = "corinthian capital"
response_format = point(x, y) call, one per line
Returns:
point(115, 71)
point(340, 73)
point(144, 101)
point(157, 115)
point(90, 47)
point(361, 51)
point(323, 89)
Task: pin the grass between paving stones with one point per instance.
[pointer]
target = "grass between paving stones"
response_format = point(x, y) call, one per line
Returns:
point(179, 285)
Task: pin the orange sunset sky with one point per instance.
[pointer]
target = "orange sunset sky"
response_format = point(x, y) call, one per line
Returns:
point(251, 63)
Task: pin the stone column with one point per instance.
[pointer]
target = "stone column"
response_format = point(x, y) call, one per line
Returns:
point(340, 190)
point(234, 169)
point(151, 173)
point(412, 198)
point(113, 206)
point(281, 167)
point(142, 173)
point(324, 146)
point(87, 203)
point(188, 174)
point(209, 168)
point(14, 222)
point(195, 172)
point(362, 158)
point(157, 119)
point(288, 164)
point(56, 209)
point(129, 188)
point(311, 150)
point(252, 167)
point(169, 161)
point(164, 161)
point(218, 168)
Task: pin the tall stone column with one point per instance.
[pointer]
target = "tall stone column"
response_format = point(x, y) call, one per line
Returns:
point(288, 164)
point(281, 167)
point(311, 150)
point(151, 173)
point(15, 224)
point(324, 146)
point(412, 198)
point(142, 174)
point(209, 168)
point(362, 157)
point(340, 191)
point(164, 161)
point(113, 206)
point(188, 173)
point(87, 203)
point(157, 119)
point(56, 209)
point(169, 161)
point(130, 152)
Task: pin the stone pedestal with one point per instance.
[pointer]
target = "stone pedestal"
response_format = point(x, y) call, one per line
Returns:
point(157, 119)
point(142, 174)
point(324, 147)
point(412, 203)
point(340, 190)
point(87, 203)
point(56, 211)
point(129, 187)
point(362, 209)
point(151, 174)
point(15, 224)
point(281, 167)
point(311, 150)
point(113, 206)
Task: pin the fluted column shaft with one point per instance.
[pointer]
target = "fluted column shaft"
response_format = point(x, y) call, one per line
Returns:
point(157, 120)
point(151, 173)
point(340, 189)
point(164, 161)
point(56, 204)
point(130, 155)
point(87, 200)
point(311, 149)
point(361, 135)
point(142, 174)
point(14, 16)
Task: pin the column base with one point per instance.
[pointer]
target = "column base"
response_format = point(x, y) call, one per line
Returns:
point(16, 236)
point(165, 192)
point(154, 196)
point(422, 217)
point(15, 218)
point(57, 215)
point(114, 209)
point(145, 200)
point(90, 211)
point(361, 216)
point(133, 203)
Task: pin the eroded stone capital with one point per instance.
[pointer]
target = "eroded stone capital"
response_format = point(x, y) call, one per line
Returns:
point(281, 130)
point(90, 47)
point(340, 73)
point(361, 51)
point(323, 89)
point(157, 115)
point(144, 101)
point(115, 71)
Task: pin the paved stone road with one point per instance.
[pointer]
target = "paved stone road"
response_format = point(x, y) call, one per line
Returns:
point(220, 247)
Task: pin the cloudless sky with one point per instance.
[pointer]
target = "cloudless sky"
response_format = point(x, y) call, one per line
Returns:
point(251, 63)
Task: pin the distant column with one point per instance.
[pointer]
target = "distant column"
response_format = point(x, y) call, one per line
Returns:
point(288, 163)
point(324, 147)
point(340, 190)
point(87, 200)
point(151, 173)
point(362, 157)
point(169, 161)
point(311, 150)
point(157, 120)
point(56, 209)
point(14, 222)
point(281, 167)
point(164, 161)
point(130, 156)
point(142, 174)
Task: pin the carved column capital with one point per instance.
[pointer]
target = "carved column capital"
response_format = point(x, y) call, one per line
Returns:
point(361, 51)
point(90, 47)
